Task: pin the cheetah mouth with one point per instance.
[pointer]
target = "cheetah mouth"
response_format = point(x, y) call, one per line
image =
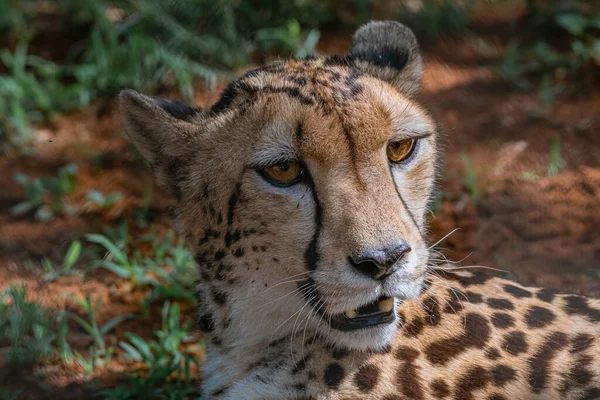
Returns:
point(376, 313)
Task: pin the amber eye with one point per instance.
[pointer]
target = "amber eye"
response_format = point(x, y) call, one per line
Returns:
point(400, 150)
point(284, 174)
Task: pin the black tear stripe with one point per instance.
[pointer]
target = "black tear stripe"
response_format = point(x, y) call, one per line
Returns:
point(312, 255)
point(233, 200)
point(412, 217)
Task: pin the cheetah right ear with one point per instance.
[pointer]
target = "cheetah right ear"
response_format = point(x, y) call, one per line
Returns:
point(163, 131)
point(389, 51)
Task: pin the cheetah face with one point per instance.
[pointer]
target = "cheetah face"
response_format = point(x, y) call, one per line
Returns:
point(303, 191)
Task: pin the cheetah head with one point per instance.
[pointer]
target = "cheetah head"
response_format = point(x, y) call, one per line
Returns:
point(302, 192)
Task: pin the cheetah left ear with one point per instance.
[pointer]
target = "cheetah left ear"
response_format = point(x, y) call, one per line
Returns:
point(389, 51)
point(163, 131)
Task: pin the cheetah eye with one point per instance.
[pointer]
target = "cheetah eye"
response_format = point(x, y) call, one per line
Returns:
point(284, 174)
point(400, 150)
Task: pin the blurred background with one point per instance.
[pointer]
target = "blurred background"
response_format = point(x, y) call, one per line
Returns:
point(96, 292)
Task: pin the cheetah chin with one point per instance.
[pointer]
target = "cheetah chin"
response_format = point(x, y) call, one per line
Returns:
point(302, 194)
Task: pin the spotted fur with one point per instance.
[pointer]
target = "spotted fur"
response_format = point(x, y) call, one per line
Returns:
point(273, 261)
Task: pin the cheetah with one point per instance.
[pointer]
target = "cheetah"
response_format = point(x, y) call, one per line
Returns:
point(302, 193)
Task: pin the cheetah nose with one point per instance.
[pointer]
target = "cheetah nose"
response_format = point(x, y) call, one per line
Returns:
point(379, 264)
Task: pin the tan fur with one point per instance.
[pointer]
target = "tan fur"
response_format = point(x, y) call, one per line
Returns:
point(273, 261)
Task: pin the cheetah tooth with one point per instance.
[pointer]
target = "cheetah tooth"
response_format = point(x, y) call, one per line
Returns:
point(351, 314)
point(386, 305)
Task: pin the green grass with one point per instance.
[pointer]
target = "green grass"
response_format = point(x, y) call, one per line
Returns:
point(557, 163)
point(162, 358)
point(98, 354)
point(67, 265)
point(26, 326)
point(46, 196)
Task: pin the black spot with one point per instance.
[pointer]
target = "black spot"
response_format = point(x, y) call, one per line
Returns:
point(239, 252)
point(500, 304)
point(228, 239)
point(407, 375)
point(579, 305)
point(579, 375)
point(476, 334)
point(474, 379)
point(502, 374)
point(581, 342)
point(206, 323)
point(539, 317)
point(414, 327)
point(546, 295)
point(219, 392)
point(220, 297)
point(516, 291)
point(477, 330)
point(515, 343)
point(492, 353)
point(299, 80)
point(367, 377)
point(502, 320)
point(453, 303)
point(475, 278)
point(539, 364)
point(406, 353)
point(219, 255)
point(301, 365)
point(334, 373)
point(474, 298)
point(339, 353)
point(439, 388)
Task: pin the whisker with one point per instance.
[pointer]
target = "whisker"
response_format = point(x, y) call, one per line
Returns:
point(469, 267)
point(442, 239)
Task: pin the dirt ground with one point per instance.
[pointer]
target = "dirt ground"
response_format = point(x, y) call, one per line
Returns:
point(540, 229)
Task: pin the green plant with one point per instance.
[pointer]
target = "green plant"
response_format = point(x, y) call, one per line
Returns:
point(103, 202)
point(470, 177)
point(25, 326)
point(98, 353)
point(46, 195)
point(66, 268)
point(142, 216)
point(170, 272)
point(162, 358)
point(118, 261)
point(556, 161)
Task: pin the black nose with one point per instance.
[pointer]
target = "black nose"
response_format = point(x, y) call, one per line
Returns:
point(379, 264)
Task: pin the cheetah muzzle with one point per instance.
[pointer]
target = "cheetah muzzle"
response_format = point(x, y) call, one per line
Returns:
point(302, 194)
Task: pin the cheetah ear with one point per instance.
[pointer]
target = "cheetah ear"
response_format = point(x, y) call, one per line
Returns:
point(162, 130)
point(389, 50)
